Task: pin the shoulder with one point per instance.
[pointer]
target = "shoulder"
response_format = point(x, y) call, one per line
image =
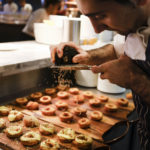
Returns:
point(119, 42)
point(5, 5)
point(14, 4)
point(39, 11)
point(28, 5)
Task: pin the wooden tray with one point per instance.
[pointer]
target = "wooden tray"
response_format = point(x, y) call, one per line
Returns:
point(96, 130)
point(15, 144)
point(121, 113)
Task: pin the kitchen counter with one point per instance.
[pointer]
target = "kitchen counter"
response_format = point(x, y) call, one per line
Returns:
point(12, 24)
point(25, 65)
point(13, 18)
point(17, 57)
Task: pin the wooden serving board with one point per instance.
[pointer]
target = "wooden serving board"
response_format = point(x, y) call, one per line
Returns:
point(15, 143)
point(96, 129)
point(95, 133)
point(121, 113)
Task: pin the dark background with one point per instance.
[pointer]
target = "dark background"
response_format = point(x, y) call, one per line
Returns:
point(35, 3)
point(13, 32)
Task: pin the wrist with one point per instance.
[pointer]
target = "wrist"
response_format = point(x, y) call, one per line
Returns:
point(139, 83)
point(102, 54)
point(142, 88)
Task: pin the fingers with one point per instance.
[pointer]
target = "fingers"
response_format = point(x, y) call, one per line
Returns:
point(59, 49)
point(72, 44)
point(80, 58)
point(102, 69)
point(53, 52)
point(103, 76)
point(99, 69)
point(124, 57)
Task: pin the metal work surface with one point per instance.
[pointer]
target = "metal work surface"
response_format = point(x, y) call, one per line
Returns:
point(25, 83)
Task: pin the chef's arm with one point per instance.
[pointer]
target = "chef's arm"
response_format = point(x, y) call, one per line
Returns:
point(141, 86)
point(102, 54)
point(91, 57)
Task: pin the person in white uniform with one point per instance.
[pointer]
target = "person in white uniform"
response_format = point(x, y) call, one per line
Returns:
point(26, 8)
point(50, 7)
point(129, 67)
point(10, 7)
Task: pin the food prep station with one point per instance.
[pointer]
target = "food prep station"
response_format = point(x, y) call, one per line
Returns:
point(25, 68)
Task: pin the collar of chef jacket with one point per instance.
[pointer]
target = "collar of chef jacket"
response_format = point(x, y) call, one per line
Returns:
point(136, 43)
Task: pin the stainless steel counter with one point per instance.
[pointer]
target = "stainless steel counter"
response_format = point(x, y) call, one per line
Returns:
point(18, 57)
point(26, 82)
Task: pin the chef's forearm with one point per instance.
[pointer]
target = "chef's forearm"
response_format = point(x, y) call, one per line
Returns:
point(141, 86)
point(103, 54)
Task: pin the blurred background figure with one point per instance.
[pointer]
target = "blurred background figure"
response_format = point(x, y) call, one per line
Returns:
point(62, 9)
point(26, 8)
point(1, 6)
point(51, 7)
point(71, 8)
point(10, 7)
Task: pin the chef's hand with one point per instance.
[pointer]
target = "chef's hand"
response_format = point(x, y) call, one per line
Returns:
point(121, 71)
point(81, 58)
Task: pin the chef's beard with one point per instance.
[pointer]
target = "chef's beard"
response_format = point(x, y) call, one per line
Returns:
point(125, 33)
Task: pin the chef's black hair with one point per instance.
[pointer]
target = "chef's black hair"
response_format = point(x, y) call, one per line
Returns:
point(123, 1)
point(49, 2)
point(120, 1)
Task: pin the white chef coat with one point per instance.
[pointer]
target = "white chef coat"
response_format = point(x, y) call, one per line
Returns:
point(10, 8)
point(27, 9)
point(135, 44)
point(37, 16)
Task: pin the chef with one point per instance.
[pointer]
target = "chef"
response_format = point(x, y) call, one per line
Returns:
point(51, 7)
point(10, 7)
point(26, 8)
point(127, 62)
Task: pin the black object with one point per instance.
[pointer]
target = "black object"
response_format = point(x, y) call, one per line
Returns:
point(65, 77)
point(68, 53)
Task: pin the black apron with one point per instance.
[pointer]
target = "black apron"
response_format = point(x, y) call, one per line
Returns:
point(143, 111)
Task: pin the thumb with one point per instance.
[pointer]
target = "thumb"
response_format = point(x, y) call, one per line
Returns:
point(79, 58)
point(98, 69)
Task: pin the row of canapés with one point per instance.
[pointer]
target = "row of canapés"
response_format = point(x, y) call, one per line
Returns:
point(32, 138)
